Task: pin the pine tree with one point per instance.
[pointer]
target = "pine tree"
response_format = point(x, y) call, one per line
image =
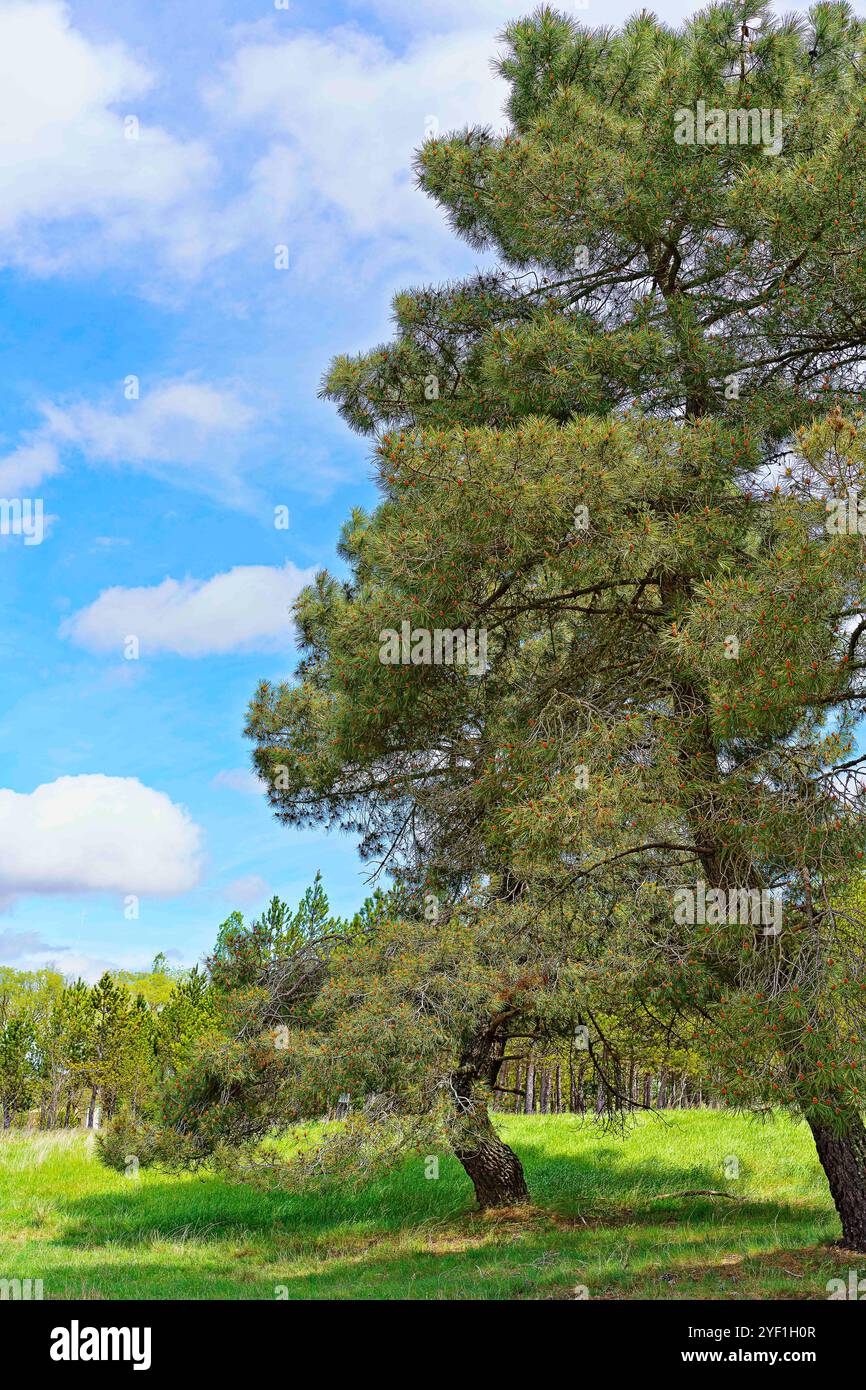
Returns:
point(17, 1076)
point(630, 456)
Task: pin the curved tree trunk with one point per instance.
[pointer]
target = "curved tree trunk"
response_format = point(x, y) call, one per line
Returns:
point(494, 1169)
point(843, 1159)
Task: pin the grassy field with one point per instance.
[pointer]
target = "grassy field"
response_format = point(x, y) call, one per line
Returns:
point(598, 1222)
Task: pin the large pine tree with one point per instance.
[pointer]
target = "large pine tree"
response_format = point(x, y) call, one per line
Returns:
point(614, 454)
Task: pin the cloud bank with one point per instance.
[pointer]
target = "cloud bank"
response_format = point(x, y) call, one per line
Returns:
point(96, 834)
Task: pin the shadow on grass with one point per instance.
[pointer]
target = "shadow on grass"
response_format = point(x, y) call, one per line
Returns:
point(596, 1220)
point(520, 1262)
point(586, 1191)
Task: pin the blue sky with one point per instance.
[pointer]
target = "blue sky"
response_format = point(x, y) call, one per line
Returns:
point(158, 379)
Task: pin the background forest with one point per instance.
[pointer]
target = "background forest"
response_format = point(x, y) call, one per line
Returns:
point(73, 1054)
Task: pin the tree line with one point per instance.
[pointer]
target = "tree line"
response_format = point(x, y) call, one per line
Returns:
point(76, 1054)
point(73, 1054)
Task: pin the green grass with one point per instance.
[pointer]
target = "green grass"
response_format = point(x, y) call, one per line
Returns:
point(91, 1233)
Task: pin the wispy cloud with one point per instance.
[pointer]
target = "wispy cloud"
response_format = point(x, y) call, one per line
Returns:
point(185, 431)
point(22, 470)
point(69, 150)
point(243, 892)
point(241, 780)
point(337, 162)
point(198, 434)
point(17, 945)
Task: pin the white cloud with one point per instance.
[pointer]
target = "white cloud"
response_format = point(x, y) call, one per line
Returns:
point(64, 152)
point(341, 145)
point(22, 471)
point(245, 609)
point(78, 965)
point(28, 951)
point(175, 422)
point(242, 892)
point(92, 834)
point(327, 123)
point(194, 433)
point(240, 779)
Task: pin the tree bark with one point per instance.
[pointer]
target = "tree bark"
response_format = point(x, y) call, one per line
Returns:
point(843, 1159)
point(544, 1100)
point(529, 1098)
point(601, 1095)
point(495, 1170)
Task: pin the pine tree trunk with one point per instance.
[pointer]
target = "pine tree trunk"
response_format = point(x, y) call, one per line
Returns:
point(529, 1098)
point(601, 1095)
point(494, 1169)
point(544, 1101)
point(843, 1159)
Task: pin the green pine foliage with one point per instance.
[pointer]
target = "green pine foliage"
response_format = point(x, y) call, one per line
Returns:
point(614, 454)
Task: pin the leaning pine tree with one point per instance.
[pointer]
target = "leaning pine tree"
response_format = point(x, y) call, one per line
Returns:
point(625, 463)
